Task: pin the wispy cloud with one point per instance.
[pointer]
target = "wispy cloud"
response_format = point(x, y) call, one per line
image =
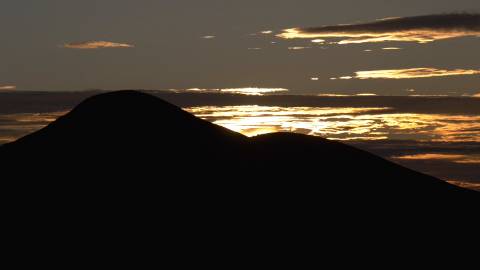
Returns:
point(255, 91)
point(89, 45)
point(421, 29)
point(457, 158)
point(465, 184)
point(14, 126)
point(7, 87)
point(410, 73)
point(209, 37)
point(298, 48)
point(249, 91)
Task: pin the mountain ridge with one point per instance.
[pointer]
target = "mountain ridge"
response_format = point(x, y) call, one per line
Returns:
point(137, 136)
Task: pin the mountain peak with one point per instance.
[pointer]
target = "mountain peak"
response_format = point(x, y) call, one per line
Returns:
point(126, 102)
point(117, 118)
point(134, 133)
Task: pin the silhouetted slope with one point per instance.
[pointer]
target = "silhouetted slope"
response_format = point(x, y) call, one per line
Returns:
point(122, 121)
point(133, 142)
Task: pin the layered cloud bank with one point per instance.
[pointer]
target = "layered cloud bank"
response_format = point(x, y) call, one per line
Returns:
point(411, 73)
point(421, 29)
point(86, 45)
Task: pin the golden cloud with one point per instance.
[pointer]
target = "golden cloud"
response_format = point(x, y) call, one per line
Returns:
point(7, 87)
point(410, 73)
point(421, 29)
point(349, 123)
point(250, 91)
point(298, 48)
point(253, 91)
point(457, 158)
point(465, 184)
point(89, 45)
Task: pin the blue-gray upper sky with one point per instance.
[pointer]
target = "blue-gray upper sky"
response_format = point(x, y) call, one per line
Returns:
point(178, 44)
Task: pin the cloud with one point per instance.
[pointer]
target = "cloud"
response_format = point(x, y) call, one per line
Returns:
point(298, 48)
point(249, 91)
point(477, 95)
point(253, 91)
point(89, 45)
point(7, 87)
point(209, 37)
point(421, 29)
point(366, 95)
point(465, 184)
point(353, 123)
point(457, 158)
point(14, 126)
point(410, 73)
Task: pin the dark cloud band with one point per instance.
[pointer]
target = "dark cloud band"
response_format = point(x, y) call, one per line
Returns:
point(421, 29)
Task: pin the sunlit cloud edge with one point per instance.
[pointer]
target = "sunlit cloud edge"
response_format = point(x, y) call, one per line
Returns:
point(92, 45)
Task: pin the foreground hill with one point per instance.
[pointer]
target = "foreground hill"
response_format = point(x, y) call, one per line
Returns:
point(131, 142)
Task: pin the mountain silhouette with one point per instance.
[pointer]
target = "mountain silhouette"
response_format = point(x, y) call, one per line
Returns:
point(125, 171)
point(133, 142)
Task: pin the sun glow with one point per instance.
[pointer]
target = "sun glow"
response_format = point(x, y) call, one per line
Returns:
point(343, 123)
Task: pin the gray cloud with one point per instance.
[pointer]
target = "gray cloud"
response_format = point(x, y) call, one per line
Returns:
point(422, 29)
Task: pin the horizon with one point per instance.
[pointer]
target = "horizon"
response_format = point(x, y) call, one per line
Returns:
point(252, 91)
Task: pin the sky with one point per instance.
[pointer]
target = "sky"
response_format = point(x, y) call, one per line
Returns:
point(384, 47)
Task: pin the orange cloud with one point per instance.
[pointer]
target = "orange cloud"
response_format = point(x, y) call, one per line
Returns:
point(89, 45)
point(421, 29)
point(465, 184)
point(410, 73)
point(457, 158)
